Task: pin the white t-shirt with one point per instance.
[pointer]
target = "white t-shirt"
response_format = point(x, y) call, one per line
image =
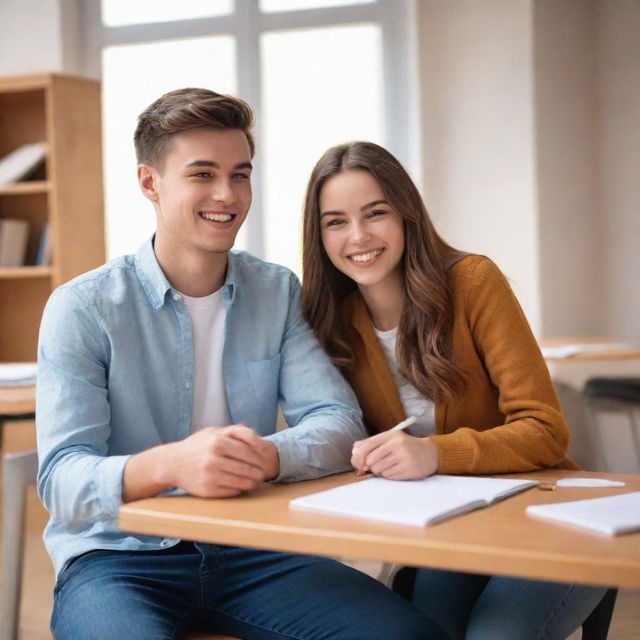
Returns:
point(210, 407)
point(413, 402)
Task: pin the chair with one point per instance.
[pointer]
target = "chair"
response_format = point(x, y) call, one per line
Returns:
point(18, 472)
point(595, 627)
point(614, 395)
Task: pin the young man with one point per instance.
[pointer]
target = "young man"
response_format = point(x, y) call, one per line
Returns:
point(163, 370)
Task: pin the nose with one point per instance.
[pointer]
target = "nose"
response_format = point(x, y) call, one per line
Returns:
point(359, 233)
point(223, 191)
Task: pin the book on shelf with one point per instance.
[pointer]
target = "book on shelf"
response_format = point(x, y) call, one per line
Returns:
point(43, 251)
point(414, 502)
point(21, 162)
point(14, 235)
point(611, 515)
point(17, 374)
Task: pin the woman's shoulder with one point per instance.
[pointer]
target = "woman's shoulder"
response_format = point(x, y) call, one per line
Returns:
point(472, 269)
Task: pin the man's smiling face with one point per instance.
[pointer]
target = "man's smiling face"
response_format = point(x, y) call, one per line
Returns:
point(203, 191)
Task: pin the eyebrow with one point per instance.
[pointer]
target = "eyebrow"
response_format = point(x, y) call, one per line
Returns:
point(215, 165)
point(364, 207)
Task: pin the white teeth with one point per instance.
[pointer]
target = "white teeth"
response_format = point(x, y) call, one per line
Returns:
point(365, 257)
point(217, 217)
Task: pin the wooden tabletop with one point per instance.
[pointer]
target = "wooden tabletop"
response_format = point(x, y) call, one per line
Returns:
point(608, 349)
point(500, 539)
point(17, 400)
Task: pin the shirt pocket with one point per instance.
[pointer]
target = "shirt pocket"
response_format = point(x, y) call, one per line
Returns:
point(264, 376)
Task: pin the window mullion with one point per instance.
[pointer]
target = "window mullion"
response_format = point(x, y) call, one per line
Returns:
point(397, 99)
point(249, 76)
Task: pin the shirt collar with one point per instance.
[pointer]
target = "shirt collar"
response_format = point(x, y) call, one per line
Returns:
point(152, 278)
point(156, 285)
point(230, 282)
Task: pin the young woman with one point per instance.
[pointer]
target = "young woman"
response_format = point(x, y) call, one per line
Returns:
point(420, 328)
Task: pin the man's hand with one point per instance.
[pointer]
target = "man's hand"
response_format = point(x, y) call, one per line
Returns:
point(395, 455)
point(216, 462)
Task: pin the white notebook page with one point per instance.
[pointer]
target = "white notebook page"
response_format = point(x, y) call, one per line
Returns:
point(414, 502)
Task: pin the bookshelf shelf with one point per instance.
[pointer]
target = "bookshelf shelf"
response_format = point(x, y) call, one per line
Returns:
point(16, 273)
point(34, 186)
point(64, 196)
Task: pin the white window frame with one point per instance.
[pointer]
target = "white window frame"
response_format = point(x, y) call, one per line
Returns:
point(246, 24)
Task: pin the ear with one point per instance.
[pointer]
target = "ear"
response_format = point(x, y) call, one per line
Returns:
point(148, 180)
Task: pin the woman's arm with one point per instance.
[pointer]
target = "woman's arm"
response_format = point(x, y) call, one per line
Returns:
point(534, 434)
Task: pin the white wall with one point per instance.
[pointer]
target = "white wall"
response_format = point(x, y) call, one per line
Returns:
point(618, 35)
point(531, 139)
point(478, 133)
point(40, 36)
point(569, 221)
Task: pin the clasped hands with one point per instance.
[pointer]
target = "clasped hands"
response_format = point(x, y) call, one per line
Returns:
point(221, 462)
point(395, 455)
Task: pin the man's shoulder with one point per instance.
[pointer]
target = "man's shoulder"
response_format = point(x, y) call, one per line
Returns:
point(102, 279)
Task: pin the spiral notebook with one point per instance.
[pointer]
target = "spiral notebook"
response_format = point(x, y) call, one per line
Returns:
point(414, 502)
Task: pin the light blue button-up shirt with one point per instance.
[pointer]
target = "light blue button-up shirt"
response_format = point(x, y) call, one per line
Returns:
point(115, 377)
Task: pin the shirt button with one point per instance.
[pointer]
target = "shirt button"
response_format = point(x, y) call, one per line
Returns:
point(176, 297)
point(187, 385)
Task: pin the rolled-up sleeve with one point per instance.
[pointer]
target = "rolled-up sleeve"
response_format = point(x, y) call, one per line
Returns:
point(318, 403)
point(78, 482)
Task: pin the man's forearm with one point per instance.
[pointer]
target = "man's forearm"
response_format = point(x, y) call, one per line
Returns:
point(147, 473)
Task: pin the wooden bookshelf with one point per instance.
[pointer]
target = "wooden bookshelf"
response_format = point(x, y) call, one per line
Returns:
point(28, 271)
point(29, 186)
point(66, 193)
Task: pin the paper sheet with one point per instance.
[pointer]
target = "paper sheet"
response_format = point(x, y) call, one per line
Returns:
point(588, 482)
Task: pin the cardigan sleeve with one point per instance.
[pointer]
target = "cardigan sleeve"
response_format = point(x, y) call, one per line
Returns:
point(534, 434)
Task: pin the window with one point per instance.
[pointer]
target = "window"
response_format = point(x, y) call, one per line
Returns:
point(316, 72)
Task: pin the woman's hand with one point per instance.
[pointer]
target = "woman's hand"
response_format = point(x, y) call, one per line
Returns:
point(395, 455)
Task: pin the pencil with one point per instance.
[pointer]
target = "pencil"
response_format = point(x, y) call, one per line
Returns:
point(404, 424)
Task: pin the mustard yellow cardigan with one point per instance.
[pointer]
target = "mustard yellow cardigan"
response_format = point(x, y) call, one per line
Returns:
point(508, 418)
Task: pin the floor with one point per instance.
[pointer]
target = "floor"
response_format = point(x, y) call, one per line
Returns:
point(38, 574)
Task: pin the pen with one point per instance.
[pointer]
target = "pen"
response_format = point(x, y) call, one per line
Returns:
point(399, 427)
point(404, 424)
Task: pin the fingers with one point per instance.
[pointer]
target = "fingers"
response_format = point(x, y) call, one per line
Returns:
point(237, 442)
point(385, 460)
point(222, 485)
point(362, 449)
point(221, 462)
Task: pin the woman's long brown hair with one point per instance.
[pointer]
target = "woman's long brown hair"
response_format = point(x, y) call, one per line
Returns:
point(423, 347)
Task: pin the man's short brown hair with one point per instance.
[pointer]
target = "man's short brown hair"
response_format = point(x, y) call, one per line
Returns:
point(186, 109)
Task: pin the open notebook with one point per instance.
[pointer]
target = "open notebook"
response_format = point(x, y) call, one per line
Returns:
point(611, 515)
point(416, 502)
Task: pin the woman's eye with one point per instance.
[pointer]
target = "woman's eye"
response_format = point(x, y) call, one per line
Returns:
point(377, 212)
point(335, 223)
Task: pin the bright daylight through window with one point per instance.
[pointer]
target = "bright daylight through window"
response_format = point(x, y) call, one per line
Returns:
point(313, 70)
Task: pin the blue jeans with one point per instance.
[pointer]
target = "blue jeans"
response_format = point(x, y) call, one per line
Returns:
point(478, 607)
point(261, 595)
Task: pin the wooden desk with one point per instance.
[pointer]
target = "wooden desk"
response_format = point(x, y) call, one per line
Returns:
point(17, 401)
point(500, 540)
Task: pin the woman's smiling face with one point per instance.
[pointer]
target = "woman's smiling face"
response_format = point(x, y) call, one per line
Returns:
point(361, 232)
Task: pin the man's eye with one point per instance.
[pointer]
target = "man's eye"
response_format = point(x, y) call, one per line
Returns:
point(202, 174)
point(240, 176)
